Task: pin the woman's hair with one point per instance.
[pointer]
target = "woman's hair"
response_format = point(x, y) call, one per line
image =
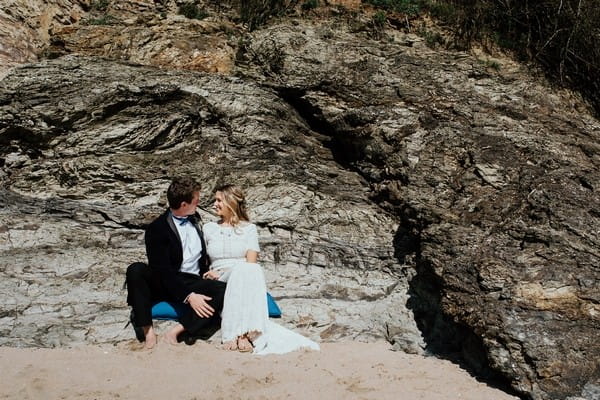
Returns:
point(181, 189)
point(235, 200)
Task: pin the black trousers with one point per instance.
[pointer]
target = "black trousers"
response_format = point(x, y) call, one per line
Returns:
point(144, 288)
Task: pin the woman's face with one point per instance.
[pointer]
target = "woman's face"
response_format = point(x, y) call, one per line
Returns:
point(220, 207)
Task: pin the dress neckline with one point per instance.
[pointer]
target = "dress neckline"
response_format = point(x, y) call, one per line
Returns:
point(242, 224)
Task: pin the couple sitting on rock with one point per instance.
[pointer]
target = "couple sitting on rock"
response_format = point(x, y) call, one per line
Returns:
point(213, 269)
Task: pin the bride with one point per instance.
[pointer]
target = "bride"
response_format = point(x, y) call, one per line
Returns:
point(232, 246)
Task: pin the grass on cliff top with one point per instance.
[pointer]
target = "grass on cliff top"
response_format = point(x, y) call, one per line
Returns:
point(559, 36)
point(100, 5)
point(192, 11)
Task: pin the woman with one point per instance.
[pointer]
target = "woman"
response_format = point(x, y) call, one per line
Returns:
point(232, 246)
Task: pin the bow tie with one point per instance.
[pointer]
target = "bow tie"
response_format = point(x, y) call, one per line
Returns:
point(182, 220)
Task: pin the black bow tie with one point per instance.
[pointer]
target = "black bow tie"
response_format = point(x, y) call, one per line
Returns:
point(182, 220)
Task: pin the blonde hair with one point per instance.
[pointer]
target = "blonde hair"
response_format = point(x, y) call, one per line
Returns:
point(235, 200)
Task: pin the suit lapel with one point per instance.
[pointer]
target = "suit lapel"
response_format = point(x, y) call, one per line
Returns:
point(173, 227)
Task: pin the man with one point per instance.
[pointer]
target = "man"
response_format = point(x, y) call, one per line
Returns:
point(176, 261)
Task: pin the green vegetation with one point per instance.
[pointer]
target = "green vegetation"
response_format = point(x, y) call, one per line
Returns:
point(408, 7)
point(440, 9)
point(310, 4)
point(561, 36)
point(192, 11)
point(256, 12)
point(100, 5)
point(495, 65)
point(105, 19)
point(379, 19)
point(433, 39)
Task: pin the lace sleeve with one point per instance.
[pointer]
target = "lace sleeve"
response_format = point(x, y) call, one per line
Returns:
point(252, 238)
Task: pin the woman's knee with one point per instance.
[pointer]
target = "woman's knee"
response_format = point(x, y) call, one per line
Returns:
point(247, 268)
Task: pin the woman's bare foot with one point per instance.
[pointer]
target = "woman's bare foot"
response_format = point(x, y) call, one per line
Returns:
point(151, 337)
point(171, 335)
point(231, 345)
point(244, 345)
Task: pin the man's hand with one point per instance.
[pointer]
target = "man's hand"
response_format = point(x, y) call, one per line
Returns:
point(212, 275)
point(199, 304)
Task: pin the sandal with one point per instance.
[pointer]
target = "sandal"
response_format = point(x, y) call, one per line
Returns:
point(244, 345)
point(231, 345)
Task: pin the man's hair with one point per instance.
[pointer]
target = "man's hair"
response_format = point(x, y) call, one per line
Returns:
point(181, 189)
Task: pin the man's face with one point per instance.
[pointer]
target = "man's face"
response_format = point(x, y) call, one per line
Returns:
point(190, 208)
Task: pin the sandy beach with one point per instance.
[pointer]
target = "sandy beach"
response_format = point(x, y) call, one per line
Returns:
point(348, 370)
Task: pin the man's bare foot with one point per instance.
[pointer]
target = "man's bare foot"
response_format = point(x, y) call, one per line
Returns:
point(231, 345)
point(171, 335)
point(244, 345)
point(151, 338)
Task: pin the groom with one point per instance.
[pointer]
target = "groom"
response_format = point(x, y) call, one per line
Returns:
point(176, 261)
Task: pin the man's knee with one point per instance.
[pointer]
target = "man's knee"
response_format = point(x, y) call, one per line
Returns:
point(136, 271)
point(218, 289)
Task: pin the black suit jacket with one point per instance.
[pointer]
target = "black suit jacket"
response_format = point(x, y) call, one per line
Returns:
point(165, 254)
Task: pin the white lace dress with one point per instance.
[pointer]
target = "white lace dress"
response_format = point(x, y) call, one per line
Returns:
point(245, 304)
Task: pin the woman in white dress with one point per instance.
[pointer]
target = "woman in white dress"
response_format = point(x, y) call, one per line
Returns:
point(232, 246)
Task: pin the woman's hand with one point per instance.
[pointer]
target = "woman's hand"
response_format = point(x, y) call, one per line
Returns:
point(212, 275)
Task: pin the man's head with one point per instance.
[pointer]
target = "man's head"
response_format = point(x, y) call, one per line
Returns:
point(183, 194)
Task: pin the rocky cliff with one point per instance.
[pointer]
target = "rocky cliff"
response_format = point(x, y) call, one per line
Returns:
point(403, 192)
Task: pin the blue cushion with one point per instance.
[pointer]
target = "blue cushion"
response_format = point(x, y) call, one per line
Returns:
point(166, 310)
point(274, 310)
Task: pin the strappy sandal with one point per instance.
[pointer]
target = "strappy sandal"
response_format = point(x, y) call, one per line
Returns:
point(244, 345)
point(231, 345)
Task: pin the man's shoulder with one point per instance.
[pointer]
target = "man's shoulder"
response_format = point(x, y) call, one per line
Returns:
point(159, 222)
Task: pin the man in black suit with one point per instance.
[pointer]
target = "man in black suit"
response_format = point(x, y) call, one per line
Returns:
point(176, 261)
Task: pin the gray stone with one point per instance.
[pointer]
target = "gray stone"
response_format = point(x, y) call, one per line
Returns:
point(400, 192)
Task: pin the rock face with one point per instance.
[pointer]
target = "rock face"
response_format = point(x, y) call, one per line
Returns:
point(26, 27)
point(86, 163)
point(401, 192)
point(494, 178)
point(142, 31)
point(151, 33)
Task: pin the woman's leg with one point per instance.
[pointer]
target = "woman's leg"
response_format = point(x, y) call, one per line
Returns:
point(245, 304)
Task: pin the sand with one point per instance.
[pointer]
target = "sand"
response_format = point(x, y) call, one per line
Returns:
point(339, 371)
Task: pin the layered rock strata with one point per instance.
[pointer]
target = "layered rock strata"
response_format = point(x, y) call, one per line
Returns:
point(493, 176)
point(394, 185)
point(86, 161)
